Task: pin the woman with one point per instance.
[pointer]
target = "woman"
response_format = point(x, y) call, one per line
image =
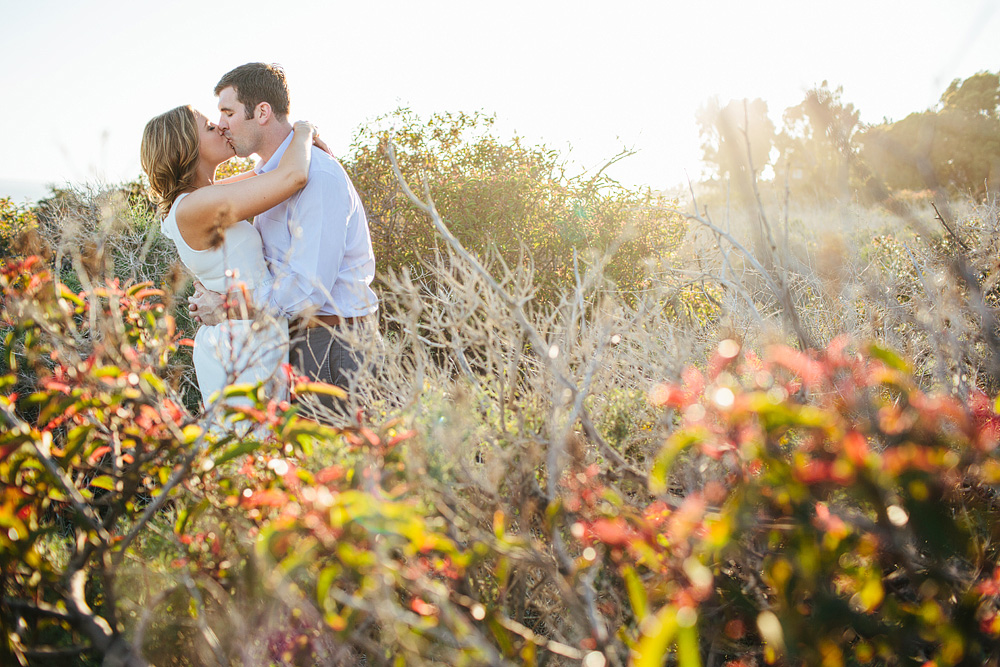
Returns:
point(180, 152)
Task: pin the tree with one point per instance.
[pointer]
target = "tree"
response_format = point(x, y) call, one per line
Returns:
point(737, 140)
point(979, 95)
point(817, 145)
point(955, 148)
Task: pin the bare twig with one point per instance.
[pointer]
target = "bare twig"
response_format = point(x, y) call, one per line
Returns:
point(940, 218)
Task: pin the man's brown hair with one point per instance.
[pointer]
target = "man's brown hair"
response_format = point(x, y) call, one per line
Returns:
point(255, 83)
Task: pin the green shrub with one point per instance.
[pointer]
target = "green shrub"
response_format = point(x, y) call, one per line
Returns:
point(507, 198)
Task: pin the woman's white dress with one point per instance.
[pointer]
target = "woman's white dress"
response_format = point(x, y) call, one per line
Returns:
point(235, 351)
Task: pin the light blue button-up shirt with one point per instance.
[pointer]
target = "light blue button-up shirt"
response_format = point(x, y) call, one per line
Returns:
point(317, 245)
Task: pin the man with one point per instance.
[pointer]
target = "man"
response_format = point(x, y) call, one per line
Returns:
point(316, 243)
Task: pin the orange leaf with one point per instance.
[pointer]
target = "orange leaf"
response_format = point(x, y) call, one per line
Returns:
point(611, 532)
point(856, 448)
point(98, 453)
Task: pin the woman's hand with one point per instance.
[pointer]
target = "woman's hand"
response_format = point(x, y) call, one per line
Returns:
point(317, 142)
point(304, 126)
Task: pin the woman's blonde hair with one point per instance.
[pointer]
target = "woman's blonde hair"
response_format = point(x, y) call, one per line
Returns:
point(169, 154)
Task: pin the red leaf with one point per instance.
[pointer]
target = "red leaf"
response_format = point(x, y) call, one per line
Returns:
point(422, 608)
point(7, 450)
point(55, 385)
point(149, 291)
point(266, 498)
point(856, 448)
point(694, 382)
point(98, 453)
point(400, 437)
point(810, 370)
point(613, 532)
point(667, 394)
point(330, 474)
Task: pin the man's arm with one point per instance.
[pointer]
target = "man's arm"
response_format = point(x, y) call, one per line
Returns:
point(206, 307)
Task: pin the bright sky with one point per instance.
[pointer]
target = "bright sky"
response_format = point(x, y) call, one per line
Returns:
point(80, 79)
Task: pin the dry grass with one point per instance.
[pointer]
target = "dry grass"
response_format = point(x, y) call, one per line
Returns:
point(509, 397)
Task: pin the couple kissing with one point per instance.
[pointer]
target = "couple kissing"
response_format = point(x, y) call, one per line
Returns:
point(279, 289)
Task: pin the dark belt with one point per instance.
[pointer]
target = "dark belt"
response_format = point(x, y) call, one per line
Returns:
point(325, 320)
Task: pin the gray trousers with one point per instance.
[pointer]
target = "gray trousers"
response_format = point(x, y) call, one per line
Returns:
point(319, 354)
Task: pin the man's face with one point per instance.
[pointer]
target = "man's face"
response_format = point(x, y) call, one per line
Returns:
point(213, 147)
point(242, 133)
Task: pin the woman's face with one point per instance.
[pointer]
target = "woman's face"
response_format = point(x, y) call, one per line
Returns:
point(213, 147)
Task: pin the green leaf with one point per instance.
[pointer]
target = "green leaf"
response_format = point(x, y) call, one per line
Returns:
point(154, 382)
point(674, 445)
point(786, 415)
point(103, 482)
point(303, 433)
point(657, 633)
point(320, 388)
point(243, 390)
point(501, 635)
point(191, 433)
point(324, 582)
point(8, 343)
point(11, 442)
point(134, 289)
point(77, 437)
point(688, 654)
point(106, 372)
point(636, 593)
point(26, 462)
point(55, 404)
point(188, 514)
point(888, 357)
point(65, 293)
point(244, 447)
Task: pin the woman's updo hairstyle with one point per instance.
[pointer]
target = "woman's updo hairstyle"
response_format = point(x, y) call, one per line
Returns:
point(169, 154)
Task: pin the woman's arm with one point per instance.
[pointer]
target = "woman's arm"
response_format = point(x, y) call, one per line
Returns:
point(236, 178)
point(213, 208)
point(250, 173)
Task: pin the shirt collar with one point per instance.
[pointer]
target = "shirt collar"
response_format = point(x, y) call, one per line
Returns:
point(272, 164)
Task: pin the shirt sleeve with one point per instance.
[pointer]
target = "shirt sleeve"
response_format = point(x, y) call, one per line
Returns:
point(317, 226)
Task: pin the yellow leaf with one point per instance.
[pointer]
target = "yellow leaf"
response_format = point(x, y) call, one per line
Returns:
point(636, 593)
point(103, 482)
point(320, 388)
point(657, 634)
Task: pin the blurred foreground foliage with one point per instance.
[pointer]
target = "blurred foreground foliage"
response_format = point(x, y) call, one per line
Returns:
point(594, 457)
point(843, 516)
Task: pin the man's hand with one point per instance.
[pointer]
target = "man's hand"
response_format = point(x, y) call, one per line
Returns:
point(206, 306)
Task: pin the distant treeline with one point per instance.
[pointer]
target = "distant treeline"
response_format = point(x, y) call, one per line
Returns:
point(824, 151)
